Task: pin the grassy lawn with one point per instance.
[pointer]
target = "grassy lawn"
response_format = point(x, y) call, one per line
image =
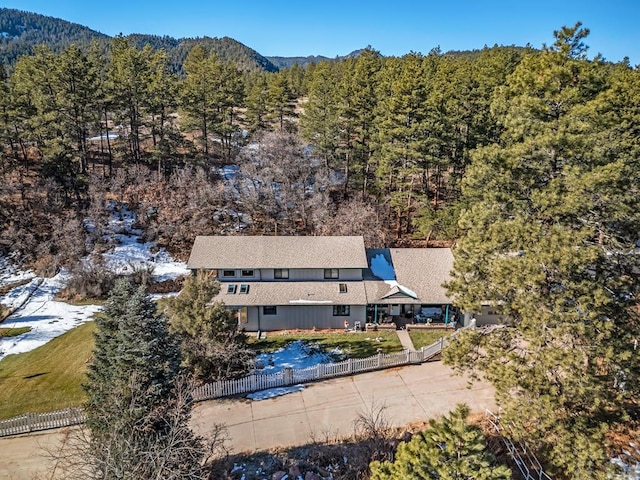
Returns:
point(355, 344)
point(13, 332)
point(47, 378)
point(424, 338)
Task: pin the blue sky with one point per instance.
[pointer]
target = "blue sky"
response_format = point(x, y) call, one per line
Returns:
point(337, 27)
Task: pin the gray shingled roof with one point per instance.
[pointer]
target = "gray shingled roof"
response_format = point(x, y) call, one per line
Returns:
point(293, 293)
point(218, 252)
point(422, 270)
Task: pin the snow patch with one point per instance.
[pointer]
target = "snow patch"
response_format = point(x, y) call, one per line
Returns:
point(48, 318)
point(9, 273)
point(110, 136)
point(382, 269)
point(297, 355)
point(274, 392)
point(129, 254)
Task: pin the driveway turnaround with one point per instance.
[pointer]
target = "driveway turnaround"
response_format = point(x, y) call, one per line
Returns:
point(321, 411)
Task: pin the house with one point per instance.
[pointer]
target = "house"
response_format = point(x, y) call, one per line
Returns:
point(277, 283)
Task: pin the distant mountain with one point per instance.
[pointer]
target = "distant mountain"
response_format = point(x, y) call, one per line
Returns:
point(21, 31)
point(286, 62)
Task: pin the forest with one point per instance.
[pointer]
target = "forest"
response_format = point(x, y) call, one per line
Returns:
point(525, 161)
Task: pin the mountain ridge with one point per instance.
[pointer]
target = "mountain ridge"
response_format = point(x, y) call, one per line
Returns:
point(21, 30)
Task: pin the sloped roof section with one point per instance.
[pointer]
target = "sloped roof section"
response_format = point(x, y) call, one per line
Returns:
point(219, 252)
point(293, 293)
point(424, 270)
point(410, 275)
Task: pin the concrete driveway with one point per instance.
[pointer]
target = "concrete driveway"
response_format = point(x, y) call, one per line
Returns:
point(323, 410)
point(329, 408)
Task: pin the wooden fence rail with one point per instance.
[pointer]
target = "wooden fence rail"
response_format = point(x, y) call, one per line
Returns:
point(32, 422)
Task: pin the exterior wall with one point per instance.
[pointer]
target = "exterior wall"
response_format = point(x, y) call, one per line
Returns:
point(301, 317)
point(295, 275)
point(238, 276)
point(486, 316)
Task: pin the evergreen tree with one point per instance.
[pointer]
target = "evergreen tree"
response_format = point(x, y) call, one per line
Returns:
point(162, 101)
point(450, 449)
point(211, 94)
point(358, 100)
point(320, 122)
point(212, 346)
point(137, 421)
point(547, 238)
point(129, 78)
point(281, 102)
point(256, 100)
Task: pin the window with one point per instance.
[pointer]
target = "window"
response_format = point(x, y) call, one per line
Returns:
point(247, 273)
point(228, 273)
point(231, 288)
point(269, 310)
point(330, 273)
point(341, 310)
point(281, 273)
point(343, 287)
point(244, 288)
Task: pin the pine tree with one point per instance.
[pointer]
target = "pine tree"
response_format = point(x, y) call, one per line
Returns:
point(137, 409)
point(212, 346)
point(281, 102)
point(449, 449)
point(320, 122)
point(256, 100)
point(547, 239)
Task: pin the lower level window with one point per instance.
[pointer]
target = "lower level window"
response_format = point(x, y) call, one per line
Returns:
point(341, 310)
point(270, 310)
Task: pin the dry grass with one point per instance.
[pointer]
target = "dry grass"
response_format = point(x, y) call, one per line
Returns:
point(47, 378)
point(13, 332)
point(424, 338)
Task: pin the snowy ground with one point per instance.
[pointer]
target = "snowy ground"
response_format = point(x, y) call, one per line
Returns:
point(47, 318)
point(297, 355)
point(10, 274)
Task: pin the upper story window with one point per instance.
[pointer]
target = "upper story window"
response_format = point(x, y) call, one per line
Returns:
point(331, 273)
point(244, 288)
point(231, 288)
point(343, 287)
point(246, 273)
point(228, 273)
point(281, 273)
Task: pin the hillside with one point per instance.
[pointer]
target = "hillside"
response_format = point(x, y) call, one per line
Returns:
point(21, 31)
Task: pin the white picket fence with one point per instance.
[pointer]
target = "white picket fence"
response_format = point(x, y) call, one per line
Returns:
point(33, 422)
point(289, 376)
